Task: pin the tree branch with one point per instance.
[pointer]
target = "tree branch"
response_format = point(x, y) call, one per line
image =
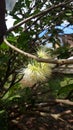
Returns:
point(57, 116)
point(60, 62)
point(51, 101)
point(39, 14)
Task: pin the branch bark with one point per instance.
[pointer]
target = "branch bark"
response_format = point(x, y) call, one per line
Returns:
point(60, 62)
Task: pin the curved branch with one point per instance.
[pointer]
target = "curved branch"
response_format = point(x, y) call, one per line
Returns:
point(18, 50)
point(60, 62)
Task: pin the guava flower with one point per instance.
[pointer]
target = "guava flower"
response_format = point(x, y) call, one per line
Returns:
point(33, 74)
point(37, 72)
point(43, 53)
point(46, 67)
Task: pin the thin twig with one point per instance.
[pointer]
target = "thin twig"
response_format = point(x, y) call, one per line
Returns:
point(68, 102)
point(45, 104)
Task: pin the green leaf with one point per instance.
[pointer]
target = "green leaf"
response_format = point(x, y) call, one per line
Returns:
point(64, 91)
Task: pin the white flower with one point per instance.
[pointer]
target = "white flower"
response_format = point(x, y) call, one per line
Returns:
point(43, 53)
point(36, 71)
point(33, 73)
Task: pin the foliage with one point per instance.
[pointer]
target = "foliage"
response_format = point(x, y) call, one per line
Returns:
point(27, 38)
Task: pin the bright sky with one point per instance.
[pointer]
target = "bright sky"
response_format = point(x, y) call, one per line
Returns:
point(65, 27)
point(9, 21)
point(10, 4)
